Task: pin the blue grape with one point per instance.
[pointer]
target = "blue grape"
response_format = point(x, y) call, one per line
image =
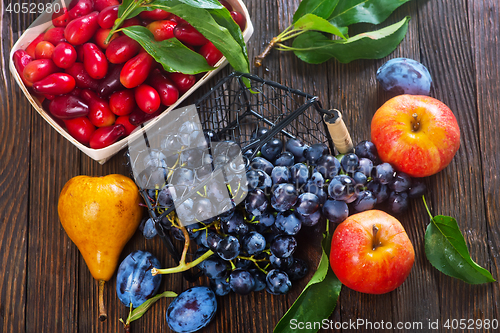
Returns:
point(259, 132)
point(235, 225)
point(381, 191)
point(260, 163)
point(335, 211)
point(401, 182)
point(311, 219)
point(383, 173)
point(300, 174)
point(404, 76)
point(228, 248)
point(271, 149)
point(287, 223)
point(308, 203)
point(241, 281)
point(259, 179)
point(283, 246)
point(280, 175)
point(220, 286)
point(203, 210)
point(166, 196)
point(213, 267)
point(398, 202)
point(365, 166)
point(256, 202)
point(297, 148)
point(328, 166)
point(278, 282)
point(365, 200)
point(192, 310)
point(259, 279)
point(320, 193)
point(266, 219)
point(341, 187)
point(417, 189)
point(242, 263)
point(134, 282)
point(280, 263)
point(317, 179)
point(148, 229)
point(285, 159)
point(213, 240)
point(297, 270)
point(366, 149)
point(283, 197)
point(253, 243)
point(349, 163)
point(360, 178)
point(313, 153)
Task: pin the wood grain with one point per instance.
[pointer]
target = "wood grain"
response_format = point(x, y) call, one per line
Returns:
point(45, 285)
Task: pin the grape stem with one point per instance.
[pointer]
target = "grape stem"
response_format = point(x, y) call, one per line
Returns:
point(183, 266)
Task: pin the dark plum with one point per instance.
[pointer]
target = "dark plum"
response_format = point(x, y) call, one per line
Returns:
point(404, 76)
point(192, 310)
point(134, 282)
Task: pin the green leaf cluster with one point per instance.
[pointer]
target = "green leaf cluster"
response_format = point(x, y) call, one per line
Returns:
point(316, 21)
point(209, 17)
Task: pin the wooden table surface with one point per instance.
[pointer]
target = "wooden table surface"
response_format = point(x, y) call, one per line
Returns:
point(45, 285)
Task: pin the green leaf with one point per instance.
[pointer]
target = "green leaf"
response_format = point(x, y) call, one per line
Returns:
point(144, 307)
point(171, 53)
point(363, 11)
point(220, 36)
point(313, 22)
point(321, 8)
point(314, 47)
point(131, 8)
point(447, 251)
point(318, 299)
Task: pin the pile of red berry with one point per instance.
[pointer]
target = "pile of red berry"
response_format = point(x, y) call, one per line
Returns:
point(100, 92)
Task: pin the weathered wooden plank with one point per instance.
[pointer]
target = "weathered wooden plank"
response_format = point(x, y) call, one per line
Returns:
point(14, 187)
point(447, 48)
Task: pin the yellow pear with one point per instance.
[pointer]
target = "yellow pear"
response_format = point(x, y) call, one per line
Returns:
point(100, 215)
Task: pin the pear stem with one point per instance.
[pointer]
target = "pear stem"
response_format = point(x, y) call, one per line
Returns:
point(182, 266)
point(102, 309)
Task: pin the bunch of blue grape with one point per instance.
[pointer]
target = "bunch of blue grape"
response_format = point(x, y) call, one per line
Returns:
point(290, 186)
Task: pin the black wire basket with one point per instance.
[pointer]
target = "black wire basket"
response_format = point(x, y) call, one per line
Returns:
point(234, 109)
